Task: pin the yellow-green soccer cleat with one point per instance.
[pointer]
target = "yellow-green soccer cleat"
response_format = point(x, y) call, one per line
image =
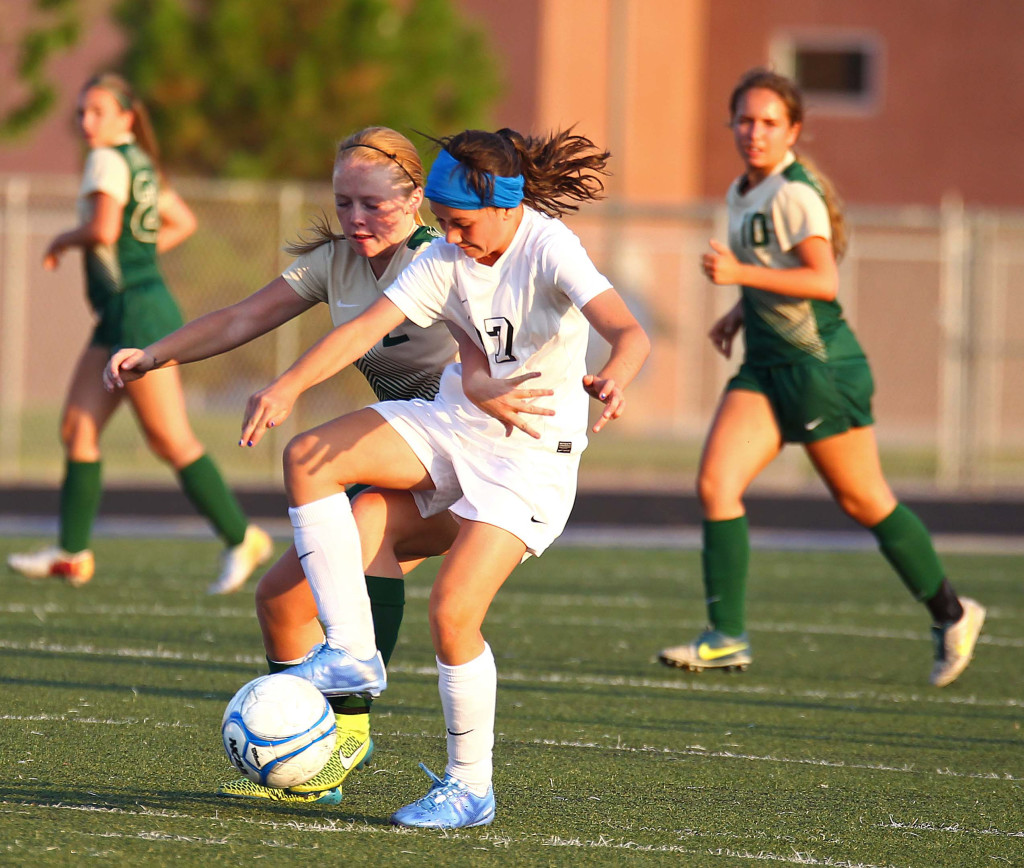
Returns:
point(954, 643)
point(354, 750)
point(712, 649)
point(243, 788)
point(239, 562)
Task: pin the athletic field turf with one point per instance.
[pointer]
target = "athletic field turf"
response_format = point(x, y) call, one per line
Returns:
point(831, 750)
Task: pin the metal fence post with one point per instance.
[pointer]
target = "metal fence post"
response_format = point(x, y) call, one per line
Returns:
point(286, 336)
point(13, 323)
point(953, 293)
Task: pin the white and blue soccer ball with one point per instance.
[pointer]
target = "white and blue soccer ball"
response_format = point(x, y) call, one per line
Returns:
point(278, 730)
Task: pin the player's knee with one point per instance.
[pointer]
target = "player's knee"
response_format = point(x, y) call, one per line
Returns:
point(177, 451)
point(296, 454)
point(451, 619)
point(717, 492)
point(79, 438)
point(865, 509)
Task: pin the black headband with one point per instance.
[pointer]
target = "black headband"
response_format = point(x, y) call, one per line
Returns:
point(387, 154)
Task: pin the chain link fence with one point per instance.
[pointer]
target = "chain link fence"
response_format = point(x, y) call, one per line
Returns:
point(936, 297)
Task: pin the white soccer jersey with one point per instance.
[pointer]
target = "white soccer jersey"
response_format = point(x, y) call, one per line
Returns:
point(106, 171)
point(525, 313)
point(770, 219)
point(765, 223)
point(408, 362)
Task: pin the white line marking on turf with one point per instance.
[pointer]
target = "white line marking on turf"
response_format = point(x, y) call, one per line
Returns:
point(640, 682)
point(74, 718)
point(511, 617)
point(497, 840)
point(955, 829)
point(698, 751)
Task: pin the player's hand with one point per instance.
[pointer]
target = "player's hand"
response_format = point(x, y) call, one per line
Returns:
point(51, 258)
point(720, 266)
point(724, 331)
point(265, 409)
point(506, 402)
point(125, 366)
point(608, 393)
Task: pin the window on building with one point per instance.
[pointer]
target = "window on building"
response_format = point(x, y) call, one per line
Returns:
point(838, 72)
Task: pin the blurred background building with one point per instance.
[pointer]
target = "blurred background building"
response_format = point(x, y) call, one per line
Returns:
point(913, 113)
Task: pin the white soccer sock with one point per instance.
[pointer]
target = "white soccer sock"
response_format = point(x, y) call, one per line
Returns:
point(327, 542)
point(468, 696)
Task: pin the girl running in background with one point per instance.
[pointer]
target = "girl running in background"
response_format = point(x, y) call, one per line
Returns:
point(805, 380)
point(126, 218)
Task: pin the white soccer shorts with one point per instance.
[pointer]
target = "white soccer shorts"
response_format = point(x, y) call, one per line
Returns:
point(527, 491)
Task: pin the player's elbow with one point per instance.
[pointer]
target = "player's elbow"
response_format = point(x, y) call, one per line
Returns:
point(106, 235)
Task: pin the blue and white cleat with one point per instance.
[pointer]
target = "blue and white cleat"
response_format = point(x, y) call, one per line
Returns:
point(335, 672)
point(448, 804)
point(712, 649)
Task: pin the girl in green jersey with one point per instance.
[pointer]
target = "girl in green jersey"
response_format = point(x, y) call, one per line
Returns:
point(804, 380)
point(125, 220)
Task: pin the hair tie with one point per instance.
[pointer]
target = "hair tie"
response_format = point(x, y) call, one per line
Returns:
point(447, 185)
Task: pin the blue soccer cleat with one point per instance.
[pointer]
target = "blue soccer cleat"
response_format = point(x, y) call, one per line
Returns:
point(712, 649)
point(335, 672)
point(448, 804)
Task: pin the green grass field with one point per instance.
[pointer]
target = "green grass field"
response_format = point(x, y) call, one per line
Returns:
point(831, 750)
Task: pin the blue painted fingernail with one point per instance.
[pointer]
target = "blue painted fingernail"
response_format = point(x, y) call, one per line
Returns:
point(249, 443)
point(603, 396)
point(270, 424)
point(239, 442)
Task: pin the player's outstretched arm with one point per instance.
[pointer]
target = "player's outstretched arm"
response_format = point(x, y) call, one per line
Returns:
point(336, 350)
point(211, 334)
point(630, 346)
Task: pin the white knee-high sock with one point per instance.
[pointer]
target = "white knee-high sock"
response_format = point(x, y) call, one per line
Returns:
point(327, 542)
point(468, 696)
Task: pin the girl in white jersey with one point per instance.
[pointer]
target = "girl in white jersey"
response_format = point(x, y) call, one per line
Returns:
point(127, 216)
point(519, 284)
point(804, 379)
point(378, 189)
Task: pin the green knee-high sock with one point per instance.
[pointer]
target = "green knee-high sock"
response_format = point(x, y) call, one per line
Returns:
point(387, 606)
point(205, 488)
point(726, 557)
point(79, 502)
point(907, 545)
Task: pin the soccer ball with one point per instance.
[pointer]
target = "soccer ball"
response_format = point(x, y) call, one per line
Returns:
point(278, 730)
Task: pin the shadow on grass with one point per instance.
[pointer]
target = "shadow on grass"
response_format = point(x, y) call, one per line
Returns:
point(143, 803)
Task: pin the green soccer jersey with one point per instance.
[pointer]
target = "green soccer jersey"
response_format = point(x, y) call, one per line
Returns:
point(125, 173)
point(407, 363)
point(765, 223)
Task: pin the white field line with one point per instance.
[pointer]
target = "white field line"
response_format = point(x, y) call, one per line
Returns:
point(954, 829)
point(699, 751)
point(70, 716)
point(497, 840)
point(570, 680)
point(620, 623)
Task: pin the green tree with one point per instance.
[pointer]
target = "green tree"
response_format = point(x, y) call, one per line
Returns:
point(58, 29)
point(244, 88)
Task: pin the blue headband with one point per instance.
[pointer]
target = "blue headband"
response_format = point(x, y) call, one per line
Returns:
point(446, 184)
